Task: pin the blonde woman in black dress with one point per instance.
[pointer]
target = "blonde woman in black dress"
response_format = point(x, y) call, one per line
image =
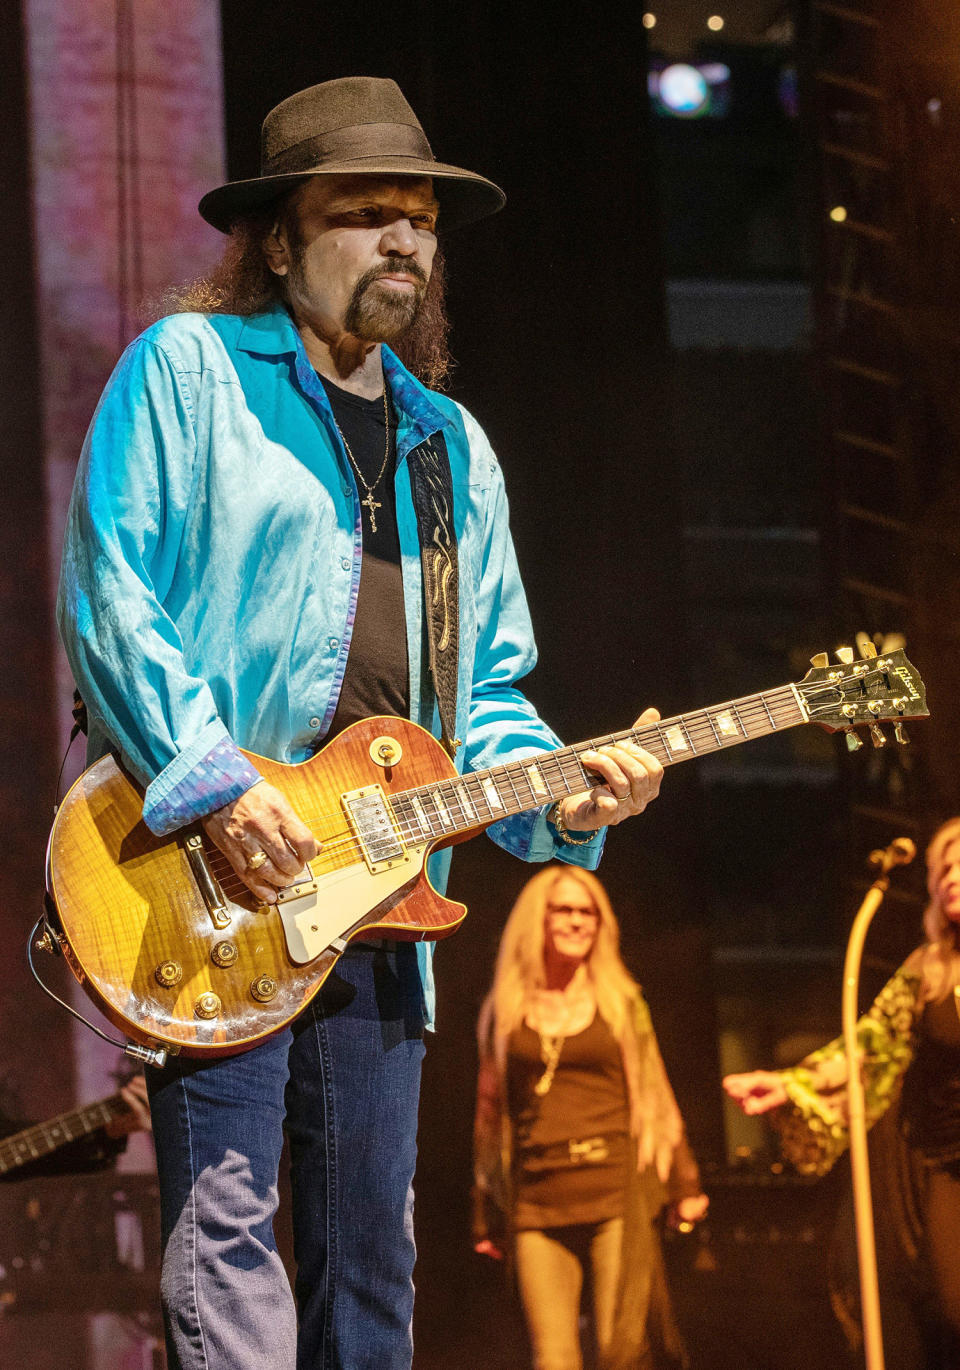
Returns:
point(578, 1143)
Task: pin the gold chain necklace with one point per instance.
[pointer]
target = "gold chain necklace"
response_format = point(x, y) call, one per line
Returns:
point(550, 1049)
point(371, 504)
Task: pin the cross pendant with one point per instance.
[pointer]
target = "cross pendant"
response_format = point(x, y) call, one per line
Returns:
point(371, 504)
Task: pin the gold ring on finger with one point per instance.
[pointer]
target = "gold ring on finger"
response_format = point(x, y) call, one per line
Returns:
point(258, 859)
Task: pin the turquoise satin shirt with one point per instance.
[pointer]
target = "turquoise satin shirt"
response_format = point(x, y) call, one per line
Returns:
point(212, 563)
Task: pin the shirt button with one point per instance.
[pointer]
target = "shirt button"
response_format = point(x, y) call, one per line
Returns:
point(334, 643)
point(314, 723)
point(346, 488)
point(345, 563)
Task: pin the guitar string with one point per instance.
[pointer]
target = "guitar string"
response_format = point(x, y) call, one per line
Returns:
point(695, 732)
point(649, 733)
point(345, 845)
point(698, 725)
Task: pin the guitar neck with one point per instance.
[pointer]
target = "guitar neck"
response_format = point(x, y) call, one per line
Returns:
point(466, 803)
point(38, 1141)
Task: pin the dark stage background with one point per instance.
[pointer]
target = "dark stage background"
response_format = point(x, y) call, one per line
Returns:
point(651, 334)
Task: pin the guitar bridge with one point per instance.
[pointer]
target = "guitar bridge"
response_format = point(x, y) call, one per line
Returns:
point(370, 817)
point(206, 881)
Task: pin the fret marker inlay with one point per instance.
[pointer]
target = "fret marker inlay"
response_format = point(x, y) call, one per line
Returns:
point(537, 784)
point(676, 740)
point(492, 793)
point(460, 790)
point(725, 722)
point(420, 813)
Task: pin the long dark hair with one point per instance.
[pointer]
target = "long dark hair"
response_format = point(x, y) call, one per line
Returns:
point(242, 283)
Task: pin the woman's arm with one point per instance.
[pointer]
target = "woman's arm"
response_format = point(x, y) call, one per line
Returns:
point(489, 1182)
point(813, 1129)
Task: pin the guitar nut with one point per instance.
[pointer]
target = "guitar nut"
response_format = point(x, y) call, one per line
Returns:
point(224, 954)
point(264, 988)
point(208, 1005)
point(168, 974)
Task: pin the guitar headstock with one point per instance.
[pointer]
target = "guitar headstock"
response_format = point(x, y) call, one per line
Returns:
point(865, 693)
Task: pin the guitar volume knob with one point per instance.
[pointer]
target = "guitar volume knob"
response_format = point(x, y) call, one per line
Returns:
point(208, 1005)
point(224, 954)
point(168, 974)
point(264, 988)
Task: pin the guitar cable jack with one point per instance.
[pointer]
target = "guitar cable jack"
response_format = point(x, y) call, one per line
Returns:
point(151, 1056)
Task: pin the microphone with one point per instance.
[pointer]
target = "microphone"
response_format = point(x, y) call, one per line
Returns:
point(903, 850)
point(900, 852)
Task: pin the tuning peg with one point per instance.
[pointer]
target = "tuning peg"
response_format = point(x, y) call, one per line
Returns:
point(877, 736)
point(845, 654)
point(900, 733)
point(854, 740)
point(866, 645)
point(821, 661)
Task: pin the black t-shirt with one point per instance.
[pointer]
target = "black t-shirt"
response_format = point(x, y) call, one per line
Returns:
point(377, 678)
point(573, 1142)
point(930, 1106)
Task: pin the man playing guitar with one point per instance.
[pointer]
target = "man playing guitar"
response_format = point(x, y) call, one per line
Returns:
point(276, 525)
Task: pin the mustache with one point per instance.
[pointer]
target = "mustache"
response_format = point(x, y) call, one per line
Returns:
point(401, 268)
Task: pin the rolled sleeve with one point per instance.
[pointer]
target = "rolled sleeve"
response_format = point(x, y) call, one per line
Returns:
point(204, 777)
point(530, 837)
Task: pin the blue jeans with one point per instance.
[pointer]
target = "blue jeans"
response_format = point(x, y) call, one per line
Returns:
point(344, 1080)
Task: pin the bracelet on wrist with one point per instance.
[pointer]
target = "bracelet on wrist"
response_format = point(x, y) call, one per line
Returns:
point(555, 817)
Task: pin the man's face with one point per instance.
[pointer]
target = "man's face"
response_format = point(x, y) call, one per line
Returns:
point(357, 252)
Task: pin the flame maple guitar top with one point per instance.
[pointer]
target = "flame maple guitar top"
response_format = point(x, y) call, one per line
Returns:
point(130, 903)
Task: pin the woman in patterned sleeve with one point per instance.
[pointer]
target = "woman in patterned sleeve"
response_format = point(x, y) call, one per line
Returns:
point(578, 1139)
point(910, 1045)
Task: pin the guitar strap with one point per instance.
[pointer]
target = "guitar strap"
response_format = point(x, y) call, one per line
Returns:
point(432, 485)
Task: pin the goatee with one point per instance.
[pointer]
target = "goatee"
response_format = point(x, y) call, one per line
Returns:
point(383, 314)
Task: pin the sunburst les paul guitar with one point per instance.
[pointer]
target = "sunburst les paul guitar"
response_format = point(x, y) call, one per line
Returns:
point(174, 949)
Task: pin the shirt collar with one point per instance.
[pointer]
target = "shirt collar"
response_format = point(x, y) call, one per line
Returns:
point(411, 397)
point(272, 333)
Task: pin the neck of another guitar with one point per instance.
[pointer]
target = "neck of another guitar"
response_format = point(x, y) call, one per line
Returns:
point(466, 803)
point(43, 1138)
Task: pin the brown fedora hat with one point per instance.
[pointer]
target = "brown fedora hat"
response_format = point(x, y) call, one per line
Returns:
point(355, 124)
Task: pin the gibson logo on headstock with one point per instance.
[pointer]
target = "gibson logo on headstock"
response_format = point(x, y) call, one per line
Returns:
point(903, 674)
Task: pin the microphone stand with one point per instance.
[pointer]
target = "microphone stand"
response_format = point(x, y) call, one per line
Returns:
point(899, 852)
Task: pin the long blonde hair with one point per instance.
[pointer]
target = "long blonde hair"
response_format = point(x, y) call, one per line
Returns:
point(520, 969)
point(941, 968)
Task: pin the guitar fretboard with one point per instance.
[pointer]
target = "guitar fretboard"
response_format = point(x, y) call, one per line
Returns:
point(40, 1140)
point(467, 802)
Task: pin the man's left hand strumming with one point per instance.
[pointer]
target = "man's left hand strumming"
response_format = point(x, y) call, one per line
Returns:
point(631, 778)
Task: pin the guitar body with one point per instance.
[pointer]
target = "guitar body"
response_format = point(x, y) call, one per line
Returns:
point(139, 932)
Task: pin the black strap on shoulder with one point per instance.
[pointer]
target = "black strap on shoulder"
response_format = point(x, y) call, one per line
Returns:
point(432, 485)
